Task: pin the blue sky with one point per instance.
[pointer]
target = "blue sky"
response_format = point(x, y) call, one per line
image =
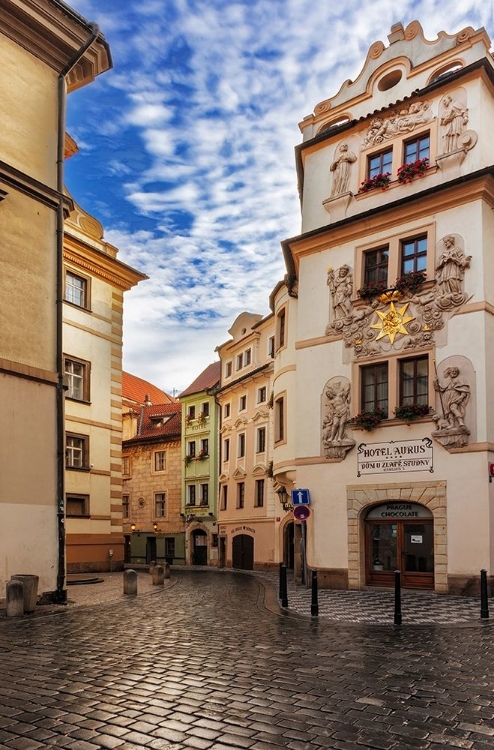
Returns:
point(187, 150)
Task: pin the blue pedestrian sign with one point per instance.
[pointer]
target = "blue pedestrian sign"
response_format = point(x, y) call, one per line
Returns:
point(300, 497)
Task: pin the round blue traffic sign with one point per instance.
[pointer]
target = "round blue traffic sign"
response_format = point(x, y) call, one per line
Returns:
point(301, 512)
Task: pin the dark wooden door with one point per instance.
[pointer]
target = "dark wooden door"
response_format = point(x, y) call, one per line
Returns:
point(407, 546)
point(243, 552)
point(150, 549)
point(200, 553)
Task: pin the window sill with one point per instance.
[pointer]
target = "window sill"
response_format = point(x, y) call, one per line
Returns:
point(393, 184)
point(78, 468)
point(86, 515)
point(76, 306)
point(78, 400)
point(393, 422)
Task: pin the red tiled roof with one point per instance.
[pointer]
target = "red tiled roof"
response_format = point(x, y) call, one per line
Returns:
point(136, 389)
point(207, 379)
point(150, 428)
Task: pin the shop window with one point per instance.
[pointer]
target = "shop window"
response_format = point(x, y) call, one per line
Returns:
point(414, 381)
point(374, 384)
point(261, 440)
point(77, 378)
point(240, 494)
point(417, 148)
point(376, 265)
point(379, 163)
point(259, 497)
point(77, 451)
point(169, 547)
point(77, 506)
point(414, 254)
point(160, 505)
point(160, 461)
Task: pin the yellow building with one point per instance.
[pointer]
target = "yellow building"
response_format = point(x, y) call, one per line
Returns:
point(46, 50)
point(248, 507)
point(94, 283)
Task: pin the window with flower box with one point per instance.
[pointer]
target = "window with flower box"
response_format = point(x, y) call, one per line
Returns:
point(414, 381)
point(379, 163)
point(205, 409)
point(374, 387)
point(417, 148)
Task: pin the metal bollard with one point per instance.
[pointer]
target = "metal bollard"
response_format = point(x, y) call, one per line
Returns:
point(280, 583)
point(484, 602)
point(284, 587)
point(158, 575)
point(167, 570)
point(152, 565)
point(314, 605)
point(15, 598)
point(130, 583)
point(397, 617)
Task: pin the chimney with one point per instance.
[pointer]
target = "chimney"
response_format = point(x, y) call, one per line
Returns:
point(147, 400)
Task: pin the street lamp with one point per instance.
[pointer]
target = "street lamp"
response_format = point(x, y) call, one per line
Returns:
point(282, 496)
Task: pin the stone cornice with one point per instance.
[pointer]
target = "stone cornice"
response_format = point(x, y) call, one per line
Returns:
point(101, 265)
point(53, 32)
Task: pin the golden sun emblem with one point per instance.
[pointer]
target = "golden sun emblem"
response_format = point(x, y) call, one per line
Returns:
point(392, 322)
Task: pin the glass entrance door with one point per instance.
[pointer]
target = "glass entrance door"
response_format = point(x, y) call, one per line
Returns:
point(407, 546)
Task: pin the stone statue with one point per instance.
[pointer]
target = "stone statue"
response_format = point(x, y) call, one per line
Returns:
point(335, 440)
point(450, 271)
point(455, 117)
point(341, 168)
point(341, 287)
point(455, 393)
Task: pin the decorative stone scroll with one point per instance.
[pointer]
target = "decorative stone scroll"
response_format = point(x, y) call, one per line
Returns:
point(398, 320)
point(399, 122)
point(335, 417)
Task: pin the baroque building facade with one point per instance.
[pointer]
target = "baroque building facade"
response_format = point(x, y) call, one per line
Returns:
point(387, 312)
point(248, 506)
point(200, 428)
point(95, 282)
point(46, 51)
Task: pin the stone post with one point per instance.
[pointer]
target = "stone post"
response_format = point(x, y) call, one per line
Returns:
point(152, 565)
point(30, 586)
point(15, 598)
point(130, 582)
point(158, 575)
point(167, 570)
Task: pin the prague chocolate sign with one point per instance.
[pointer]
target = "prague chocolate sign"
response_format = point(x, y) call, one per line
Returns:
point(395, 456)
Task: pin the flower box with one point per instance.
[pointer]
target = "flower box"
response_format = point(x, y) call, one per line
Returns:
point(368, 420)
point(410, 412)
point(372, 290)
point(381, 180)
point(411, 281)
point(416, 168)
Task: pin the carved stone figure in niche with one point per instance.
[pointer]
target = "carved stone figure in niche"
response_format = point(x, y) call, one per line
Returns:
point(341, 168)
point(334, 426)
point(450, 271)
point(402, 121)
point(340, 285)
point(454, 393)
point(455, 117)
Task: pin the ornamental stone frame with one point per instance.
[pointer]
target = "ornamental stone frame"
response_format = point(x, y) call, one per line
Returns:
point(360, 498)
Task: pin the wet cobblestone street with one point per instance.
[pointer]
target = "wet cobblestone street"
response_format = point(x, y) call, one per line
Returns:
point(204, 664)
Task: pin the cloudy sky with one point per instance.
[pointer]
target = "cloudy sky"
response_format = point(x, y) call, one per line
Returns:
point(187, 150)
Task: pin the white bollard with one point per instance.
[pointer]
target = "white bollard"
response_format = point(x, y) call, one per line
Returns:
point(130, 582)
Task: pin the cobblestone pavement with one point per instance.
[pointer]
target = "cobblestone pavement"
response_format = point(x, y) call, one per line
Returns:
point(204, 664)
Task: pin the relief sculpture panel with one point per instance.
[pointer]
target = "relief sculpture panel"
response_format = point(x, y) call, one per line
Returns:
point(335, 417)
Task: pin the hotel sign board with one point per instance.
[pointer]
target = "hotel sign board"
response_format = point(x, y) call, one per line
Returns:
point(395, 456)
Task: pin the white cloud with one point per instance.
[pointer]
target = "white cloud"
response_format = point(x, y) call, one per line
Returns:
point(210, 95)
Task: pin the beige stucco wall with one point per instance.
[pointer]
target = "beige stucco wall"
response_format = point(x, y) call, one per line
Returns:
point(28, 536)
point(28, 137)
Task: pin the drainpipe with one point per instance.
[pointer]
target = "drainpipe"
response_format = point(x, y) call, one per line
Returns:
point(61, 592)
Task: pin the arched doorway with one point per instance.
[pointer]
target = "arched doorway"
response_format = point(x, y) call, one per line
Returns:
point(243, 552)
point(399, 536)
point(288, 545)
point(199, 547)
